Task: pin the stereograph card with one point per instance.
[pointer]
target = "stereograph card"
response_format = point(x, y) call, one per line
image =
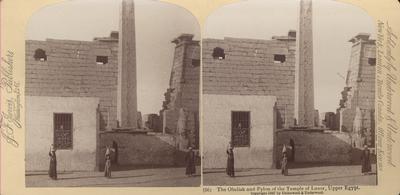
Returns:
point(257, 97)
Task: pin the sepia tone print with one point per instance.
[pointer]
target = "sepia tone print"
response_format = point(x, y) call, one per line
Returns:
point(261, 97)
point(84, 124)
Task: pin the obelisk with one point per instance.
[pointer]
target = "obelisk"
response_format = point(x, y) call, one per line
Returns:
point(305, 99)
point(127, 98)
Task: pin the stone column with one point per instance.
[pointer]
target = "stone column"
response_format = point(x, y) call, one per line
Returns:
point(127, 99)
point(305, 99)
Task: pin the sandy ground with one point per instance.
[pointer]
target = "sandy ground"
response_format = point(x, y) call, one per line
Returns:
point(317, 175)
point(159, 177)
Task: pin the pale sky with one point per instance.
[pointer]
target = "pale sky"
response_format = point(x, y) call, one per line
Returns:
point(157, 24)
point(334, 23)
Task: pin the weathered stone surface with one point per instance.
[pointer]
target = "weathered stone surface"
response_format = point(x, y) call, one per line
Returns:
point(359, 92)
point(183, 93)
point(308, 146)
point(137, 149)
point(305, 98)
point(71, 71)
point(127, 97)
point(249, 69)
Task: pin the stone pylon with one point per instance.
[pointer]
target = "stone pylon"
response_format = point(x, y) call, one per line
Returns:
point(127, 97)
point(305, 99)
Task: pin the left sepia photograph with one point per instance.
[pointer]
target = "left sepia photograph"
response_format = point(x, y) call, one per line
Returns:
point(112, 95)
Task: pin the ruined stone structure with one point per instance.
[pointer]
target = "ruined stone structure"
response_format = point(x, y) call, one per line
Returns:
point(152, 122)
point(180, 113)
point(316, 118)
point(248, 92)
point(305, 97)
point(357, 106)
point(329, 120)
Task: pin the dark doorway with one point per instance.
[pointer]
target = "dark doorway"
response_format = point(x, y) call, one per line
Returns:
point(115, 147)
point(291, 143)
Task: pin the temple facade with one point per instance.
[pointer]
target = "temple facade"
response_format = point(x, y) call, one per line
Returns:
point(356, 113)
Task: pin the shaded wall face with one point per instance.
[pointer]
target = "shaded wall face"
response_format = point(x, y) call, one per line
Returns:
point(190, 92)
point(191, 80)
point(216, 125)
point(311, 147)
point(40, 132)
point(71, 70)
point(137, 149)
point(250, 68)
point(366, 87)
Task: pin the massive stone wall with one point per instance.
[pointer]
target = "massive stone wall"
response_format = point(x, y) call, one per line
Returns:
point(183, 91)
point(308, 146)
point(137, 149)
point(357, 111)
point(249, 67)
point(70, 70)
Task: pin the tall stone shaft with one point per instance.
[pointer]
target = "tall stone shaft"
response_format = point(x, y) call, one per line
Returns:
point(305, 99)
point(127, 98)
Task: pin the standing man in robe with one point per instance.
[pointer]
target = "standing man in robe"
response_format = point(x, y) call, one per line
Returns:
point(365, 161)
point(230, 169)
point(107, 168)
point(284, 163)
point(190, 162)
point(53, 163)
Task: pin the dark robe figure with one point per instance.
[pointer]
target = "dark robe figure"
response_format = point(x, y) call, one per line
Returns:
point(291, 143)
point(107, 167)
point(53, 164)
point(190, 162)
point(365, 161)
point(284, 164)
point(230, 168)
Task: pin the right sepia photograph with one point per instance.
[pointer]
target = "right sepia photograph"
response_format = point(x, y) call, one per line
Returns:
point(288, 94)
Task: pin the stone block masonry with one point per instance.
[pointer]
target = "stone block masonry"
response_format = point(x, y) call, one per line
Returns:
point(336, 146)
point(75, 69)
point(137, 149)
point(357, 106)
point(183, 92)
point(253, 67)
